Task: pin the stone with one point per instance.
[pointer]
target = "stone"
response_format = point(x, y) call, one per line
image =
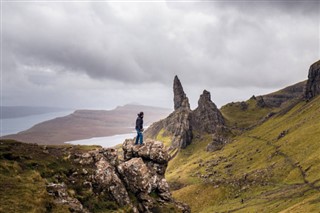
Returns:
point(107, 179)
point(135, 175)
point(282, 134)
point(177, 125)
point(206, 118)
point(151, 150)
point(60, 193)
point(164, 191)
point(244, 106)
point(313, 84)
point(260, 102)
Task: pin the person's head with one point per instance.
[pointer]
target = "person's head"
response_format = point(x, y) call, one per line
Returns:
point(140, 114)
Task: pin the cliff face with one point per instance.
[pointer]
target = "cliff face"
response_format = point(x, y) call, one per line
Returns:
point(313, 83)
point(181, 123)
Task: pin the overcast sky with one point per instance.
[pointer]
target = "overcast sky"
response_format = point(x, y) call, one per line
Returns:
point(105, 54)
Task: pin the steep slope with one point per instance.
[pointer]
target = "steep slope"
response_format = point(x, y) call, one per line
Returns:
point(247, 114)
point(272, 168)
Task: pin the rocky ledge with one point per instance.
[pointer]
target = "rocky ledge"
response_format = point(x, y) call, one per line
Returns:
point(135, 181)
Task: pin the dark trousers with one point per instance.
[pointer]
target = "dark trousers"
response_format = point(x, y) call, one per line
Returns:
point(139, 136)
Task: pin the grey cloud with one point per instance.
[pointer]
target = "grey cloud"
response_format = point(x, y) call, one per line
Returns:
point(228, 44)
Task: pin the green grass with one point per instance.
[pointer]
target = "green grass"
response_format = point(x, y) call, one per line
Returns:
point(25, 169)
point(242, 119)
point(164, 138)
point(267, 173)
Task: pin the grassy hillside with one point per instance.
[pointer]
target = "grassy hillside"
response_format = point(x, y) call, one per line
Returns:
point(243, 115)
point(271, 168)
point(247, 114)
point(26, 169)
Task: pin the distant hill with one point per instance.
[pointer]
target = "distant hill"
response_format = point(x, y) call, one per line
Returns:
point(22, 111)
point(84, 124)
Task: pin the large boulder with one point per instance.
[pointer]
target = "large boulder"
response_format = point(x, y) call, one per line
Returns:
point(135, 175)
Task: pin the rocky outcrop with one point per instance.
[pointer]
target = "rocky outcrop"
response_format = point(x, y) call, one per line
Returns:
point(139, 174)
point(313, 84)
point(181, 123)
point(178, 123)
point(152, 151)
point(207, 118)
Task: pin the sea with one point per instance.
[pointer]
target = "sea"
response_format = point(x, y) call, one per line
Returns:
point(15, 125)
point(108, 141)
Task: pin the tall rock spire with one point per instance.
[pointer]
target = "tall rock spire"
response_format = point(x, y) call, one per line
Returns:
point(313, 83)
point(180, 99)
point(207, 117)
point(182, 121)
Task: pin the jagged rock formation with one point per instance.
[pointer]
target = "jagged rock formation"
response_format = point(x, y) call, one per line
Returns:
point(140, 174)
point(179, 99)
point(181, 123)
point(313, 83)
point(178, 123)
point(206, 117)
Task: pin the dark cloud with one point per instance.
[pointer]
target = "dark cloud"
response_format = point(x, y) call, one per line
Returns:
point(51, 47)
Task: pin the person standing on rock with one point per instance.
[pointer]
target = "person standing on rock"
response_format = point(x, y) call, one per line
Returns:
point(139, 128)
